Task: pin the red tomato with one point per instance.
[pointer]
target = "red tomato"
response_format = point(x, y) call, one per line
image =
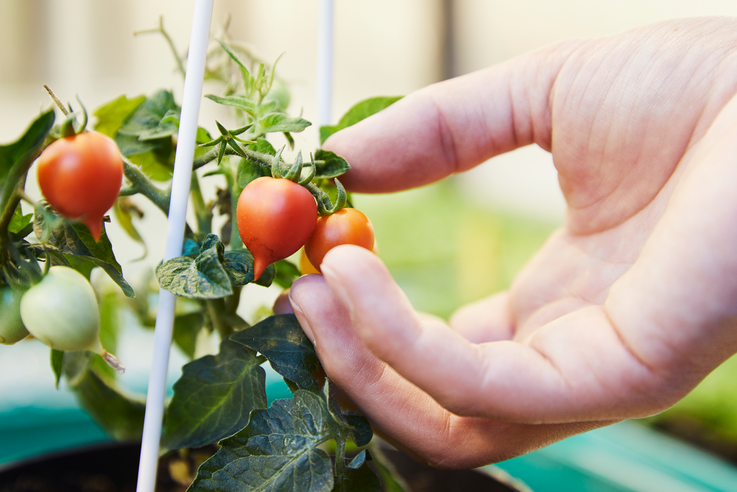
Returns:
point(80, 176)
point(348, 226)
point(275, 218)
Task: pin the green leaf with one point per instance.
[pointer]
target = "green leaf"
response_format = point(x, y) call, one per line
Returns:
point(120, 414)
point(149, 114)
point(361, 432)
point(248, 171)
point(214, 397)
point(145, 136)
point(281, 340)
point(20, 224)
point(360, 111)
point(202, 277)
point(279, 450)
point(23, 150)
point(57, 361)
point(110, 325)
point(332, 165)
point(286, 273)
point(186, 329)
point(124, 209)
point(110, 116)
point(235, 101)
point(359, 477)
point(73, 238)
point(279, 123)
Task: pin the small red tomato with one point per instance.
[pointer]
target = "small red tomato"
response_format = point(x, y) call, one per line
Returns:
point(347, 226)
point(80, 176)
point(275, 218)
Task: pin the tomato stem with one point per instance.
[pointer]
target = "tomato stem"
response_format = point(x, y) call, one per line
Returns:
point(141, 184)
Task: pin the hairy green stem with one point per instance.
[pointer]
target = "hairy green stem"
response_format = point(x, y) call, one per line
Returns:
point(213, 311)
point(141, 184)
point(339, 463)
point(202, 213)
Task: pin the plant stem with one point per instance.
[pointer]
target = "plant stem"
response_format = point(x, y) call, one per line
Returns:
point(141, 184)
point(339, 463)
point(202, 213)
point(160, 30)
point(217, 324)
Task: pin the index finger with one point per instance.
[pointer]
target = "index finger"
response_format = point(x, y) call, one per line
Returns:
point(453, 125)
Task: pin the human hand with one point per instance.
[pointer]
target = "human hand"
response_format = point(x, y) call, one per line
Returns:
point(625, 308)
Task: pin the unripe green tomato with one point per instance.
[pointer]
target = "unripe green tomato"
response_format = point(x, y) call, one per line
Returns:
point(11, 326)
point(61, 311)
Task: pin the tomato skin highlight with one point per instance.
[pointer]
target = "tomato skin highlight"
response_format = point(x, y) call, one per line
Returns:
point(80, 176)
point(347, 226)
point(275, 218)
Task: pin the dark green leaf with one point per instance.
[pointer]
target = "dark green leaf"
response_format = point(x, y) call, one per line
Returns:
point(359, 477)
point(25, 148)
point(236, 101)
point(361, 434)
point(57, 361)
point(360, 111)
point(46, 221)
point(248, 171)
point(214, 397)
point(279, 450)
point(332, 165)
point(279, 123)
point(239, 265)
point(281, 340)
point(186, 329)
point(110, 117)
point(392, 480)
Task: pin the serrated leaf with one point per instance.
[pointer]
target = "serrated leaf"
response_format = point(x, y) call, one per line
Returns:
point(332, 165)
point(214, 397)
point(202, 277)
point(281, 340)
point(25, 148)
point(278, 451)
point(235, 101)
point(73, 239)
point(358, 112)
point(280, 123)
point(110, 116)
point(239, 265)
point(167, 127)
point(148, 115)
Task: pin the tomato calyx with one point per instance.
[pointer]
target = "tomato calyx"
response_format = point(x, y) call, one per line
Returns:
point(70, 126)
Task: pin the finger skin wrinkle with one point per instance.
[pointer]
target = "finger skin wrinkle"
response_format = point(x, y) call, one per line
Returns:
point(445, 136)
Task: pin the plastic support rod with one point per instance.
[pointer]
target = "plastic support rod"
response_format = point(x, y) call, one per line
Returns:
point(325, 63)
point(183, 158)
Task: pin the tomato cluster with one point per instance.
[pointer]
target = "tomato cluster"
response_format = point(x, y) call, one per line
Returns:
point(276, 217)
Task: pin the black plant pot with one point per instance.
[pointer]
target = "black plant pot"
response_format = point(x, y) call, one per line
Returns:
point(114, 468)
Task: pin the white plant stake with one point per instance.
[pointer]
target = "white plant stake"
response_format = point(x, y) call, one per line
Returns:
point(174, 240)
point(325, 63)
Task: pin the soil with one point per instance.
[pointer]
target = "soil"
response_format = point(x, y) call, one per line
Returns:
point(113, 468)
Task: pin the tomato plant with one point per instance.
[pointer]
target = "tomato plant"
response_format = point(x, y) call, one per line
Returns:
point(265, 209)
point(80, 176)
point(347, 226)
point(275, 218)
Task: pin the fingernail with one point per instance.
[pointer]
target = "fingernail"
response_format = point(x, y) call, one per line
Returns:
point(337, 288)
point(302, 319)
